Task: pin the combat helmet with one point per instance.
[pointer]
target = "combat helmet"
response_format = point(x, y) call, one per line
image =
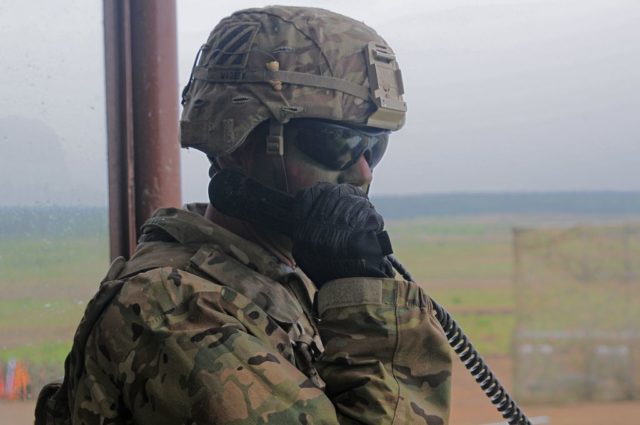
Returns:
point(280, 63)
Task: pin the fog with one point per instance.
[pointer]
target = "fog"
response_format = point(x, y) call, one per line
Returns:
point(527, 95)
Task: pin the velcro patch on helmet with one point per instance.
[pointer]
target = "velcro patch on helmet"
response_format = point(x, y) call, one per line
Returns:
point(231, 47)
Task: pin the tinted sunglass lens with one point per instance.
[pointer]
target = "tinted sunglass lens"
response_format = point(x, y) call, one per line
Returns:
point(377, 150)
point(336, 146)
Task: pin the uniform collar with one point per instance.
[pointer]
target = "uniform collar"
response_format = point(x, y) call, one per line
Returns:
point(188, 226)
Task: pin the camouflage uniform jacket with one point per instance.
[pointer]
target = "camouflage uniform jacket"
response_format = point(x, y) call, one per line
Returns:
point(205, 327)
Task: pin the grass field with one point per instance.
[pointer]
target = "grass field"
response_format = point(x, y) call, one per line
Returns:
point(465, 262)
point(45, 285)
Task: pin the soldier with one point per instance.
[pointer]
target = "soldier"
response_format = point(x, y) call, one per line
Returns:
point(218, 320)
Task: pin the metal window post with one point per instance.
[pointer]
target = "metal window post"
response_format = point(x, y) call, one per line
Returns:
point(142, 115)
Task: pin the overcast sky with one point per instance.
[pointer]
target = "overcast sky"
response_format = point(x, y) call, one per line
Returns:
point(511, 95)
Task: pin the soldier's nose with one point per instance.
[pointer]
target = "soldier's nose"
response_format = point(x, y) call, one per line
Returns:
point(359, 174)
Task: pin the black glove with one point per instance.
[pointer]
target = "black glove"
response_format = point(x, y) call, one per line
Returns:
point(337, 233)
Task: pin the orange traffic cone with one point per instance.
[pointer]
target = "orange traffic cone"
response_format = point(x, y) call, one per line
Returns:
point(21, 382)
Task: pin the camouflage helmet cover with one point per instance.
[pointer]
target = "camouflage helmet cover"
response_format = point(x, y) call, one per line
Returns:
point(288, 62)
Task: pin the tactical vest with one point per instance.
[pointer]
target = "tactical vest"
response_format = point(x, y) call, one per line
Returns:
point(52, 406)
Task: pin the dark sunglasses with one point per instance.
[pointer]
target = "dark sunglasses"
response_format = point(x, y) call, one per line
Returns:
point(336, 146)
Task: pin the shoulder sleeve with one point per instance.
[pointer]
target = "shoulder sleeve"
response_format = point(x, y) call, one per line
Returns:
point(173, 350)
point(387, 359)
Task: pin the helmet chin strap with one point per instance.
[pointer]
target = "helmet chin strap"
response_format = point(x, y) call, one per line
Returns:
point(275, 149)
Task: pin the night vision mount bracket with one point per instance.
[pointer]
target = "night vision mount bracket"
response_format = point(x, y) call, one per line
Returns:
point(385, 83)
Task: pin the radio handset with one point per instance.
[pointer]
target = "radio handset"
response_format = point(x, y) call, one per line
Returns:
point(234, 194)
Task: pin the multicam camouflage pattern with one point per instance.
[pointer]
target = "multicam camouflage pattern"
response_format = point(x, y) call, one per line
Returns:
point(207, 328)
point(230, 92)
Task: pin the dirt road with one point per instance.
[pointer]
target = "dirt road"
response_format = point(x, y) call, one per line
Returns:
point(471, 407)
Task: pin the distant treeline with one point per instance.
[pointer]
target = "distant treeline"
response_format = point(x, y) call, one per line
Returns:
point(572, 203)
point(41, 221)
point(88, 221)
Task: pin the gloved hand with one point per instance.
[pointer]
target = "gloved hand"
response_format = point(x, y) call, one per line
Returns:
point(337, 233)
